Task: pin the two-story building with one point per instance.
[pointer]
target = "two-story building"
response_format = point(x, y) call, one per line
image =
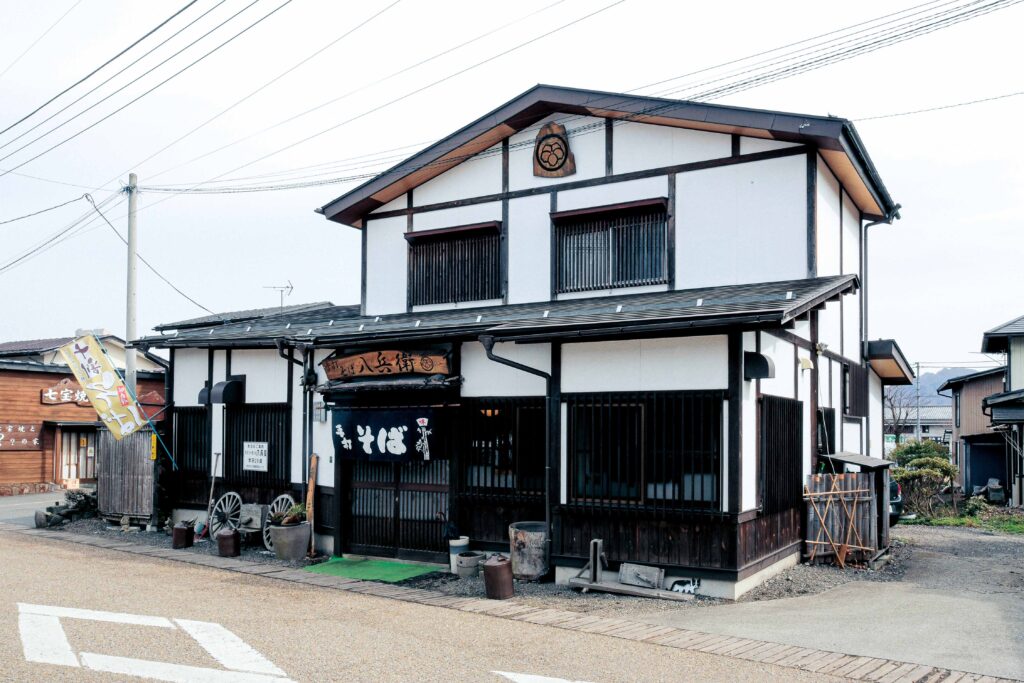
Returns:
point(1005, 408)
point(978, 451)
point(637, 319)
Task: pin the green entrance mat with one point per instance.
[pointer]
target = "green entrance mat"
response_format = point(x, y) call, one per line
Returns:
point(370, 570)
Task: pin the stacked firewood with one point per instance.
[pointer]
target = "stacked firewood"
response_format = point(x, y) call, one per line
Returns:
point(78, 504)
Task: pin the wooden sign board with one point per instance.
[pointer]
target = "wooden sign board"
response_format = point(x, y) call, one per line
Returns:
point(552, 157)
point(21, 436)
point(386, 363)
point(63, 392)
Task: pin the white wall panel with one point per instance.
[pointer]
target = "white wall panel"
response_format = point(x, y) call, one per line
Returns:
point(639, 146)
point(529, 249)
point(748, 454)
point(217, 418)
point(829, 330)
point(781, 353)
point(851, 326)
point(386, 265)
point(484, 377)
point(852, 433)
point(463, 215)
point(613, 193)
point(474, 177)
point(837, 402)
point(875, 408)
point(297, 455)
point(753, 145)
point(323, 444)
point(802, 329)
point(804, 395)
point(587, 147)
point(190, 374)
point(400, 202)
point(742, 223)
point(646, 365)
point(266, 375)
point(829, 233)
point(851, 236)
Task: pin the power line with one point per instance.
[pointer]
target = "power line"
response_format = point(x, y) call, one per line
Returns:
point(94, 71)
point(941, 107)
point(172, 76)
point(36, 213)
point(36, 41)
point(147, 263)
point(115, 75)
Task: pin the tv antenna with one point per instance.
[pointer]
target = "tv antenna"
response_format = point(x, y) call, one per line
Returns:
point(283, 290)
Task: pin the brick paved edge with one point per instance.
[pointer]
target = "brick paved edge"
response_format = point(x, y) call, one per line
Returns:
point(807, 659)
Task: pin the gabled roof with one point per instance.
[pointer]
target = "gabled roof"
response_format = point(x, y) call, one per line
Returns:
point(240, 316)
point(996, 340)
point(836, 138)
point(32, 346)
point(707, 308)
point(970, 377)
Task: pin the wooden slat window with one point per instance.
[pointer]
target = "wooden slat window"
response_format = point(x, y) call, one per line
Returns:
point(781, 471)
point(505, 450)
point(192, 439)
point(455, 266)
point(620, 248)
point(655, 450)
point(855, 390)
point(263, 422)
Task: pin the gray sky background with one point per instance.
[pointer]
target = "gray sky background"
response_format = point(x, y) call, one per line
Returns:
point(939, 277)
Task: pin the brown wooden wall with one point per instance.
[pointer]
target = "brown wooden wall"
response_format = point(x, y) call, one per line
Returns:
point(972, 421)
point(19, 403)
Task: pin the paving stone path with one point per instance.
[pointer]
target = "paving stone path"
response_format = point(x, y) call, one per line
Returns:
point(818, 661)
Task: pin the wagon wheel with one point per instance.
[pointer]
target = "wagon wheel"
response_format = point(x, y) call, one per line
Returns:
point(280, 504)
point(227, 512)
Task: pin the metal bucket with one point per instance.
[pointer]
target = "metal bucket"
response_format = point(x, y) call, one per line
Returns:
point(498, 578)
point(229, 543)
point(456, 546)
point(182, 536)
point(467, 564)
point(529, 550)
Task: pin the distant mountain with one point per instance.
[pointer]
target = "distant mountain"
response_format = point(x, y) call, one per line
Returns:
point(931, 381)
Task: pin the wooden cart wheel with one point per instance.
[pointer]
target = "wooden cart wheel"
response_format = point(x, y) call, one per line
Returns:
point(227, 512)
point(280, 504)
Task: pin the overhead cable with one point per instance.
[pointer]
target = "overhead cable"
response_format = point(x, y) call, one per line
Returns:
point(36, 41)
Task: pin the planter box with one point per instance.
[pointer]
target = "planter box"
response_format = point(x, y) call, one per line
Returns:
point(290, 542)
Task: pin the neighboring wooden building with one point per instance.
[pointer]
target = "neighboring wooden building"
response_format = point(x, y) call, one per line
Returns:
point(1005, 408)
point(639, 319)
point(48, 429)
point(978, 451)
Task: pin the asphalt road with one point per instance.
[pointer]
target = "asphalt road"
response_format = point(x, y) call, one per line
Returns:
point(148, 617)
point(21, 509)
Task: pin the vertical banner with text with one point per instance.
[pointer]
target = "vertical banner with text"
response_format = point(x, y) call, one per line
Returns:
point(107, 393)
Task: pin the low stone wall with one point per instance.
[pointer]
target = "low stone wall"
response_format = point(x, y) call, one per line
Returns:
point(20, 489)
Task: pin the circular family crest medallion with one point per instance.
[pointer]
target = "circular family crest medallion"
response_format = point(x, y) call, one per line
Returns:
point(552, 151)
point(427, 363)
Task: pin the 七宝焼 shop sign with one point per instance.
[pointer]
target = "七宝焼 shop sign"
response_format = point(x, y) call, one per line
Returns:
point(385, 363)
point(101, 383)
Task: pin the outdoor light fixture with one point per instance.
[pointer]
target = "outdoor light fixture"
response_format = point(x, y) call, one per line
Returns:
point(320, 411)
point(490, 412)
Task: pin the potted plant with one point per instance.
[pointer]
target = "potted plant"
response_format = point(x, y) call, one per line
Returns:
point(289, 532)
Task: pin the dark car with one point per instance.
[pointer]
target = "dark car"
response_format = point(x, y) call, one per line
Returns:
point(895, 501)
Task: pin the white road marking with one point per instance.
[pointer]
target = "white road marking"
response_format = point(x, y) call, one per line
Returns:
point(532, 678)
point(227, 648)
point(176, 673)
point(43, 640)
point(95, 615)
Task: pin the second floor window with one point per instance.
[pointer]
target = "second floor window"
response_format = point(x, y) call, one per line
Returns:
point(455, 264)
point(608, 247)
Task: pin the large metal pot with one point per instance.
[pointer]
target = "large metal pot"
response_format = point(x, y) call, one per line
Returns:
point(290, 541)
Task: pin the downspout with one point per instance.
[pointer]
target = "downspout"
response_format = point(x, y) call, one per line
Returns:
point(488, 343)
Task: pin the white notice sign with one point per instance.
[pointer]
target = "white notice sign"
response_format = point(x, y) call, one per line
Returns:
point(255, 456)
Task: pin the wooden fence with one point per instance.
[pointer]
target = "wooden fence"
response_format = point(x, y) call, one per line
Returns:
point(842, 517)
point(125, 475)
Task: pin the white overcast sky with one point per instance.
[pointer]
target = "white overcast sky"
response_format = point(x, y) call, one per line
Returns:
point(939, 277)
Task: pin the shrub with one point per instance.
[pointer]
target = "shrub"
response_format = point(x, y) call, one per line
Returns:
point(922, 479)
point(911, 450)
point(976, 505)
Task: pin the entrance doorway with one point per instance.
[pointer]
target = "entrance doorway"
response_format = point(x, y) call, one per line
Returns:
point(77, 457)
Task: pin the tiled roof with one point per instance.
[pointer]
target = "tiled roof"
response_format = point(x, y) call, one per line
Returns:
point(17, 348)
point(953, 381)
point(995, 340)
point(771, 303)
point(241, 316)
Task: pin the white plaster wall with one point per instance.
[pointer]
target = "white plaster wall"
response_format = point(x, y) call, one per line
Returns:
point(837, 402)
point(386, 266)
point(804, 395)
point(829, 330)
point(753, 145)
point(613, 193)
point(829, 232)
point(851, 236)
point(297, 455)
point(639, 146)
point(529, 249)
point(450, 218)
point(824, 367)
point(802, 329)
point(875, 436)
point(587, 147)
point(217, 420)
point(612, 291)
point(646, 365)
point(748, 452)
point(781, 353)
point(851, 326)
point(323, 444)
point(399, 202)
point(484, 377)
point(742, 223)
point(266, 375)
point(190, 366)
point(474, 177)
point(852, 430)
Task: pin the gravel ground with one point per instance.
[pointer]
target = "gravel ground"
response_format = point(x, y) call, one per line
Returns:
point(799, 580)
point(252, 552)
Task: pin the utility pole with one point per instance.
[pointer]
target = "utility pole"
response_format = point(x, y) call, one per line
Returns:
point(129, 332)
point(917, 386)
